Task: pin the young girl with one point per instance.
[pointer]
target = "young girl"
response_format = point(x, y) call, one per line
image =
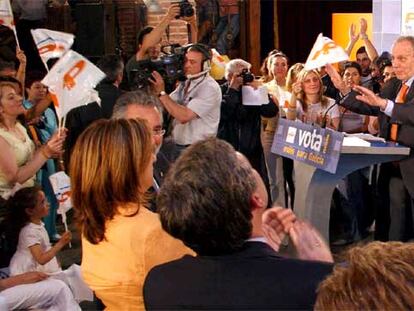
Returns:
point(34, 252)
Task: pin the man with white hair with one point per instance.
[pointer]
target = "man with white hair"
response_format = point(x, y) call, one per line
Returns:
point(240, 124)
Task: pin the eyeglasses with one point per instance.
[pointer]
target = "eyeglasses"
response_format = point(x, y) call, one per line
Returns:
point(158, 132)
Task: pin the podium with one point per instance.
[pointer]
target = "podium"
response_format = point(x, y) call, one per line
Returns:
point(314, 187)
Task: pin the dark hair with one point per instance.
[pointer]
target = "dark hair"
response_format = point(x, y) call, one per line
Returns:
point(361, 50)
point(144, 31)
point(16, 217)
point(353, 65)
point(112, 65)
point(384, 63)
point(7, 65)
point(32, 77)
point(200, 48)
point(106, 168)
point(205, 198)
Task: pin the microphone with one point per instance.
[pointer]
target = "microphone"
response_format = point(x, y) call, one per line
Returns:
point(323, 124)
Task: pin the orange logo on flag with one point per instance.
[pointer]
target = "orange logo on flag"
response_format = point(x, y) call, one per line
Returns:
point(325, 49)
point(50, 48)
point(69, 77)
point(65, 197)
point(54, 99)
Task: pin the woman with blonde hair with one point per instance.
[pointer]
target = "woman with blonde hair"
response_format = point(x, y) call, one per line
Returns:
point(20, 160)
point(111, 169)
point(309, 105)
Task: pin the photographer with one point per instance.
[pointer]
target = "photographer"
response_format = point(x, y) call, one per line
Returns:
point(195, 103)
point(240, 124)
point(149, 38)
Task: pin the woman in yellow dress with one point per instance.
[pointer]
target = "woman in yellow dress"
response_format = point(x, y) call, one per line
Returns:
point(111, 170)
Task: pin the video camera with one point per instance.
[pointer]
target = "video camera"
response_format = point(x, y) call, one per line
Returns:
point(170, 67)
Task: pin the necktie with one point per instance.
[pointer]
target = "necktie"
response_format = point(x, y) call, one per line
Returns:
point(399, 100)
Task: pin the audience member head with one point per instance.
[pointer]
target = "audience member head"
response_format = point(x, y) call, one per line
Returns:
point(235, 67)
point(352, 74)
point(153, 52)
point(7, 69)
point(197, 59)
point(311, 84)
point(113, 67)
point(292, 75)
point(34, 88)
point(11, 103)
point(110, 170)
point(377, 276)
point(212, 199)
point(20, 207)
point(363, 60)
point(387, 71)
point(265, 68)
point(17, 84)
point(143, 105)
point(403, 57)
point(279, 67)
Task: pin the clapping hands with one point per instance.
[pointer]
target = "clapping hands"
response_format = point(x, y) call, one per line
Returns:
point(277, 222)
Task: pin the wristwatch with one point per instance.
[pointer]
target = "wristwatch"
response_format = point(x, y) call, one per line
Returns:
point(162, 93)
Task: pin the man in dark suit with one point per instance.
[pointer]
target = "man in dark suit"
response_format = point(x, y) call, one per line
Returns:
point(213, 200)
point(394, 107)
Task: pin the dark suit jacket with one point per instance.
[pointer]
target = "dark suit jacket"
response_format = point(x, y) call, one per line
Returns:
point(253, 278)
point(403, 114)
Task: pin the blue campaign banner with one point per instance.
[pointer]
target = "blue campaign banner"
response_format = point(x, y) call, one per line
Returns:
point(316, 146)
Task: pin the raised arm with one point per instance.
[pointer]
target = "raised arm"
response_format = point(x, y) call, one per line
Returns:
point(155, 36)
point(353, 38)
point(369, 47)
point(14, 173)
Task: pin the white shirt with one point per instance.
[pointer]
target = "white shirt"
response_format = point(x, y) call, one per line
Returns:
point(204, 99)
point(314, 110)
point(23, 260)
point(390, 104)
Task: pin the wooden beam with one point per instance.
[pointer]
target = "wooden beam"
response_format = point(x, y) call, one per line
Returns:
point(253, 35)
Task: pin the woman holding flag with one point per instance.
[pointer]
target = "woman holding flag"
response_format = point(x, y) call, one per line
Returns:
point(20, 160)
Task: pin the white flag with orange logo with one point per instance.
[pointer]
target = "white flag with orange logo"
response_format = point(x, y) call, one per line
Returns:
point(51, 44)
point(6, 14)
point(71, 81)
point(325, 51)
point(6, 17)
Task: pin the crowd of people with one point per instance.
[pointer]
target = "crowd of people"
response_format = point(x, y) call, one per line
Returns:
point(178, 199)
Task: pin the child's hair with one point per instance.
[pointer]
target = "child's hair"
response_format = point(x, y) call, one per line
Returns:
point(16, 217)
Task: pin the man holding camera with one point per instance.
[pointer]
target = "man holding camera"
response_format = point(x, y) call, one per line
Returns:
point(240, 124)
point(195, 103)
point(149, 38)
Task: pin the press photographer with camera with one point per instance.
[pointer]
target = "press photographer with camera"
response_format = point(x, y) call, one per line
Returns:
point(149, 38)
point(195, 103)
point(240, 124)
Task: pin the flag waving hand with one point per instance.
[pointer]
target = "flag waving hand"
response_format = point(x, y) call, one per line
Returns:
point(70, 82)
point(325, 51)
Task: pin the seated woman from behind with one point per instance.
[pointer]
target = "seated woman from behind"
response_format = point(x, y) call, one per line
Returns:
point(111, 170)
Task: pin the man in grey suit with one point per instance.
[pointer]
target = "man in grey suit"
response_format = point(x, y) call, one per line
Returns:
point(394, 107)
